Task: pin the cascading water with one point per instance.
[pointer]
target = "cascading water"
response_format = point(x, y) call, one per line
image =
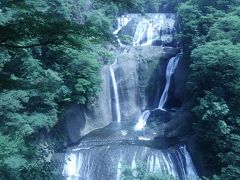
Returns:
point(150, 33)
point(122, 21)
point(115, 90)
point(103, 153)
point(141, 30)
point(154, 27)
point(172, 65)
point(105, 163)
point(158, 26)
point(142, 120)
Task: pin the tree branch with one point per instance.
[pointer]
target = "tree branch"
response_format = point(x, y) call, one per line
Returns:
point(28, 46)
point(54, 41)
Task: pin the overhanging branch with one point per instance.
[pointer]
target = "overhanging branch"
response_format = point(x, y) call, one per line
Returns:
point(27, 46)
point(48, 42)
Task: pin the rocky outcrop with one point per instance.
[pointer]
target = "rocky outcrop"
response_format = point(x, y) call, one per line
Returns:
point(130, 28)
point(151, 29)
point(139, 75)
point(177, 126)
point(80, 120)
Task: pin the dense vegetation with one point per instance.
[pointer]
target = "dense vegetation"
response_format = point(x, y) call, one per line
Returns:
point(51, 55)
point(210, 34)
point(140, 172)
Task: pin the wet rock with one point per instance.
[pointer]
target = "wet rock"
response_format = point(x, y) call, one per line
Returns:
point(75, 121)
point(178, 124)
point(164, 142)
point(140, 78)
point(80, 120)
point(139, 28)
point(159, 116)
point(138, 75)
point(130, 28)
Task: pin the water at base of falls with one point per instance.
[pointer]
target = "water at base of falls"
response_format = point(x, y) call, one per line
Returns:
point(103, 155)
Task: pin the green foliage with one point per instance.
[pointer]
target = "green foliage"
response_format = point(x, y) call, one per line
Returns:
point(189, 15)
point(210, 32)
point(212, 115)
point(51, 55)
point(140, 172)
point(140, 6)
point(226, 28)
point(209, 63)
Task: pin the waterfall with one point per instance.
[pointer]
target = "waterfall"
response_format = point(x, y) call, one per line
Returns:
point(119, 168)
point(142, 120)
point(140, 32)
point(115, 90)
point(164, 25)
point(122, 21)
point(150, 28)
point(103, 154)
point(98, 162)
point(172, 65)
point(191, 171)
point(150, 33)
point(70, 169)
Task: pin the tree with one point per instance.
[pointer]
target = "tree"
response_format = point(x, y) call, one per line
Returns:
point(215, 67)
point(211, 42)
point(226, 28)
point(50, 57)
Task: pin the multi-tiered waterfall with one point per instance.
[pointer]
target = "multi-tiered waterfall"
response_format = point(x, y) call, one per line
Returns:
point(103, 153)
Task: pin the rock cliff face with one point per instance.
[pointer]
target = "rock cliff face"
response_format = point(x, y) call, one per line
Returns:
point(80, 120)
point(140, 76)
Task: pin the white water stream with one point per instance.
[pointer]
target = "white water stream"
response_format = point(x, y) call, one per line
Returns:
point(172, 65)
point(101, 157)
point(115, 90)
